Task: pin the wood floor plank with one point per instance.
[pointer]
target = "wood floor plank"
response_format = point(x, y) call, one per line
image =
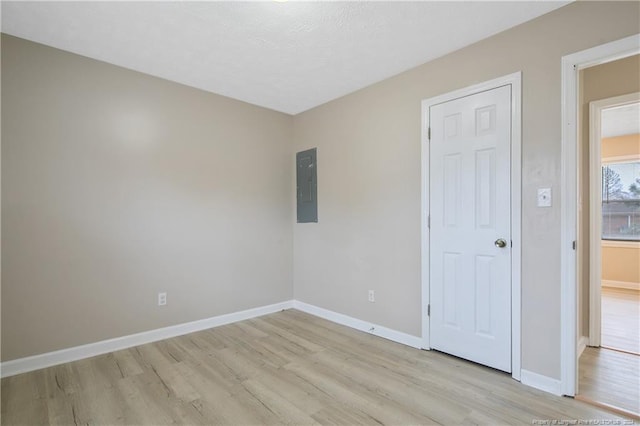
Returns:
point(620, 319)
point(344, 415)
point(284, 368)
point(355, 395)
point(608, 376)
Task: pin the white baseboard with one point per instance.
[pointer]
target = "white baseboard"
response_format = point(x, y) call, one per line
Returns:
point(377, 330)
point(621, 284)
point(541, 382)
point(36, 362)
point(583, 342)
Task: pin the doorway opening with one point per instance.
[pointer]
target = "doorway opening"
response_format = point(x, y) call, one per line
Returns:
point(571, 66)
point(575, 251)
point(614, 240)
point(609, 366)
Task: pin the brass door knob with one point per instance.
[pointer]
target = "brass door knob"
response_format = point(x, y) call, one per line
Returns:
point(501, 243)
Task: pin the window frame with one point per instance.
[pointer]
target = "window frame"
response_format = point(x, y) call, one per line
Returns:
point(606, 161)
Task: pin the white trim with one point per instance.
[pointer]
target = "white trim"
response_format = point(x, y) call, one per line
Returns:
point(595, 222)
point(515, 80)
point(516, 225)
point(541, 382)
point(425, 255)
point(583, 342)
point(23, 365)
point(621, 284)
point(367, 327)
point(620, 244)
point(595, 207)
point(621, 159)
point(36, 362)
point(571, 64)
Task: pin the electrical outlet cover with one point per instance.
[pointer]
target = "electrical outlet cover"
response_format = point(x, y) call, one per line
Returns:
point(162, 299)
point(544, 197)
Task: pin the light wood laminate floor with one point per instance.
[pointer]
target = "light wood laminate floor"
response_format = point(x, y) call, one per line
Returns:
point(620, 319)
point(283, 368)
point(610, 377)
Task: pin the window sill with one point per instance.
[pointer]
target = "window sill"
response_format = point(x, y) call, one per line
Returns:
point(621, 244)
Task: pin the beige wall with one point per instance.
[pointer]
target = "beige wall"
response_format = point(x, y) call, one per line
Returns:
point(368, 235)
point(621, 146)
point(600, 82)
point(621, 264)
point(116, 186)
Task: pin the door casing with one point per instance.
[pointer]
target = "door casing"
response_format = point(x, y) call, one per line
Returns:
point(571, 65)
point(514, 80)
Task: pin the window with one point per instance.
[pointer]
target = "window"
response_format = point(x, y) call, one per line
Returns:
point(621, 201)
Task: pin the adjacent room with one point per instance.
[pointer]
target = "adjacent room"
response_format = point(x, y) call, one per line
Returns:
point(286, 212)
point(609, 363)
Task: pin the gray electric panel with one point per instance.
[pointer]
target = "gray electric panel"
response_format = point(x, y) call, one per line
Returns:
point(307, 186)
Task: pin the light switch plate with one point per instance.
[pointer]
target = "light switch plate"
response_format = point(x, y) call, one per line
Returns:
point(544, 197)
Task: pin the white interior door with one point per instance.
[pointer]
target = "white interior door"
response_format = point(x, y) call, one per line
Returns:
point(470, 211)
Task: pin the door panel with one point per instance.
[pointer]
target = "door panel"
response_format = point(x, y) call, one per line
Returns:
point(452, 172)
point(451, 281)
point(470, 277)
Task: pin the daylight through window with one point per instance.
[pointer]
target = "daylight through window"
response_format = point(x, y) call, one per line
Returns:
point(621, 201)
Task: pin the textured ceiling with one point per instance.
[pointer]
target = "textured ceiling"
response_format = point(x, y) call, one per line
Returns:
point(619, 121)
point(287, 56)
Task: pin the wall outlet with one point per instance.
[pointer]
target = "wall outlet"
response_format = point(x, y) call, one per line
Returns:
point(162, 299)
point(372, 296)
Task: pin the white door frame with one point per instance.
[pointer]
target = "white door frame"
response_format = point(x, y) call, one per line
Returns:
point(595, 207)
point(514, 80)
point(571, 65)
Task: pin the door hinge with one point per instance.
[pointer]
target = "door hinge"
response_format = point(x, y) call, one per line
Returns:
point(429, 310)
point(573, 245)
point(429, 133)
